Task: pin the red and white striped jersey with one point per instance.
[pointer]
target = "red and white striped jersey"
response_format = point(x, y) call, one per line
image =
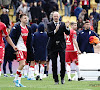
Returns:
point(70, 47)
point(3, 32)
point(21, 44)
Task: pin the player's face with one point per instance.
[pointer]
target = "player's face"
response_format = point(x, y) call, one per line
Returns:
point(24, 19)
point(75, 26)
point(87, 25)
point(56, 17)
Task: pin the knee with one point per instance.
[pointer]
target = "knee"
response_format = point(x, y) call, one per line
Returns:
point(23, 64)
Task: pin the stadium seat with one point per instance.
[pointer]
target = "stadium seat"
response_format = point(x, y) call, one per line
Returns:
point(14, 19)
point(11, 18)
point(11, 12)
point(93, 4)
point(65, 18)
point(73, 19)
point(98, 28)
point(61, 12)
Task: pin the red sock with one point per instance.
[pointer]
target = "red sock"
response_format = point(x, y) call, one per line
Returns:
point(0, 69)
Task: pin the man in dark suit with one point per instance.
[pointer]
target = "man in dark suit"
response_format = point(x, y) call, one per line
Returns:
point(57, 45)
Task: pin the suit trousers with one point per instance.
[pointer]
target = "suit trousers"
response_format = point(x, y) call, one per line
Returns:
point(54, 56)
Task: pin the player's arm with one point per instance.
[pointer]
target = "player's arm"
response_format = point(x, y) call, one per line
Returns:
point(76, 45)
point(8, 39)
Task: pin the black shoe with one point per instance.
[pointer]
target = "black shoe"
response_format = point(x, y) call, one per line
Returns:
point(56, 83)
point(79, 79)
point(62, 81)
point(40, 79)
point(69, 80)
point(37, 77)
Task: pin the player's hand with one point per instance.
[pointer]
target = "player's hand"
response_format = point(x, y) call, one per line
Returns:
point(67, 24)
point(79, 52)
point(15, 48)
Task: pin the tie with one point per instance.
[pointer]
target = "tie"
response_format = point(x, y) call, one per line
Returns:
point(56, 24)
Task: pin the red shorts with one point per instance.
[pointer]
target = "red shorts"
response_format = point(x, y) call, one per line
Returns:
point(2, 50)
point(21, 55)
point(71, 56)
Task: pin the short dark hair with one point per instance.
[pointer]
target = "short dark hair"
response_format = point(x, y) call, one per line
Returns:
point(21, 15)
point(72, 23)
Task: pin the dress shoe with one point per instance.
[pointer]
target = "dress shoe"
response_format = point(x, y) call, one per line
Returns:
point(62, 81)
point(79, 79)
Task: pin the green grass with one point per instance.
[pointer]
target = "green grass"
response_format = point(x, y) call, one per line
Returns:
point(6, 83)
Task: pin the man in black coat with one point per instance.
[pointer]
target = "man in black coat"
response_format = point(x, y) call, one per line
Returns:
point(57, 45)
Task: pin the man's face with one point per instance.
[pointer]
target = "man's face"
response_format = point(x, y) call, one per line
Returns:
point(91, 16)
point(56, 17)
point(74, 26)
point(94, 9)
point(24, 19)
point(87, 25)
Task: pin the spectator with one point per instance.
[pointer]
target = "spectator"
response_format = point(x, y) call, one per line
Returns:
point(13, 3)
point(18, 15)
point(4, 18)
point(49, 6)
point(5, 3)
point(80, 24)
point(95, 14)
point(85, 5)
point(93, 23)
point(73, 7)
point(23, 7)
point(67, 4)
point(77, 11)
point(36, 13)
point(82, 14)
point(98, 4)
point(19, 2)
point(83, 38)
point(45, 21)
point(28, 2)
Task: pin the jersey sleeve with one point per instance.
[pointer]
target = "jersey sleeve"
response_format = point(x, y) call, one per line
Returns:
point(74, 36)
point(5, 33)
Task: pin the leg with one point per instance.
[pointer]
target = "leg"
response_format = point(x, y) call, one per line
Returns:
point(4, 66)
point(42, 69)
point(62, 61)
point(54, 66)
point(66, 11)
point(69, 71)
point(31, 71)
point(69, 10)
point(25, 69)
point(10, 66)
point(21, 57)
point(1, 57)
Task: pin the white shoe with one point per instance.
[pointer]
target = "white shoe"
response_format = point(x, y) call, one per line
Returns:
point(44, 76)
point(5, 75)
point(12, 75)
point(0, 73)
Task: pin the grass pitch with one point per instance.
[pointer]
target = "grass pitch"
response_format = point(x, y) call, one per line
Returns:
point(6, 83)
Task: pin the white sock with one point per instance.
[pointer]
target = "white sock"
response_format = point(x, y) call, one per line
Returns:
point(31, 72)
point(78, 71)
point(41, 70)
point(37, 69)
point(68, 71)
point(26, 70)
point(18, 75)
point(0, 73)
